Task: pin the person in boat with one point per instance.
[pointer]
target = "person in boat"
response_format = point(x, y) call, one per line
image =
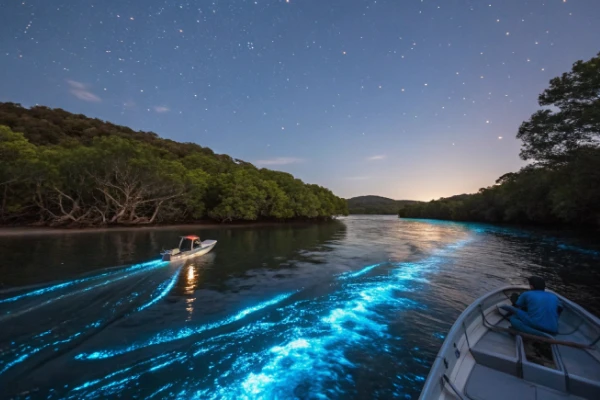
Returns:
point(535, 311)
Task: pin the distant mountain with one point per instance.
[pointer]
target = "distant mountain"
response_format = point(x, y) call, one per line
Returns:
point(376, 205)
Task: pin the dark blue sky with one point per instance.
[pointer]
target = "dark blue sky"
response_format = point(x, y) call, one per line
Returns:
point(405, 99)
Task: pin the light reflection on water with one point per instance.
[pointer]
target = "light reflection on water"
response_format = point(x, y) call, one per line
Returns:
point(189, 291)
point(354, 309)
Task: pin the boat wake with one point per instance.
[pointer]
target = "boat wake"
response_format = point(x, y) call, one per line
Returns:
point(358, 318)
point(296, 344)
point(40, 324)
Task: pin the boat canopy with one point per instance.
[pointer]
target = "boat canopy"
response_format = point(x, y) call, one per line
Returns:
point(191, 237)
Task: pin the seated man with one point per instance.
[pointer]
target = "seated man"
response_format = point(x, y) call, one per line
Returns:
point(536, 311)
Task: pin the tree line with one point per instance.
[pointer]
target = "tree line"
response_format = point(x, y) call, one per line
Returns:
point(58, 168)
point(561, 185)
point(376, 205)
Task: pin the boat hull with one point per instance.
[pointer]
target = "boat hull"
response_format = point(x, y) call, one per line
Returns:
point(207, 246)
point(481, 351)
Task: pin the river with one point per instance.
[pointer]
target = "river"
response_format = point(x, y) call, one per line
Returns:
point(356, 308)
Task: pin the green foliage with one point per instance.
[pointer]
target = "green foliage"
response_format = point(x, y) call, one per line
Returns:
point(18, 160)
point(567, 194)
point(70, 169)
point(376, 205)
point(552, 137)
point(563, 184)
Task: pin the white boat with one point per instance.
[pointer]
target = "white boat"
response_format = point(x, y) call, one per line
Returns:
point(189, 246)
point(482, 358)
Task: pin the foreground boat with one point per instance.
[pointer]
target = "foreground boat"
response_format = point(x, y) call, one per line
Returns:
point(189, 246)
point(483, 359)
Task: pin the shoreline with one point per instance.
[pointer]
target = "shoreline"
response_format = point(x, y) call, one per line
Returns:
point(24, 230)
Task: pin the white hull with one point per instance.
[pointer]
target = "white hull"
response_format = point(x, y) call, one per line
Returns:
point(480, 359)
point(207, 245)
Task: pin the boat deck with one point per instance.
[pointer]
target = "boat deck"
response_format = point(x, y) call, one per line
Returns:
point(480, 360)
point(501, 360)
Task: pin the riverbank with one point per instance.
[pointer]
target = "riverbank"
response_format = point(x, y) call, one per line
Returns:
point(46, 230)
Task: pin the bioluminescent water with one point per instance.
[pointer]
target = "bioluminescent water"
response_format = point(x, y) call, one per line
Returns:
point(353, 309)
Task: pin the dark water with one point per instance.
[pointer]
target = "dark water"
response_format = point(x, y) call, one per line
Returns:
point(353, 309)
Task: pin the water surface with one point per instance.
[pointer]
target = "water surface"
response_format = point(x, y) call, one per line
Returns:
point(352, 309)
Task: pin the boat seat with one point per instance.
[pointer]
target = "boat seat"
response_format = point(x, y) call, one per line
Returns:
point(498, 351)
point(583, 371)
point(546, 376)
point(488, 384)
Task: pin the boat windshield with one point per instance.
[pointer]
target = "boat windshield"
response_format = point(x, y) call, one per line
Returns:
point(186, 245)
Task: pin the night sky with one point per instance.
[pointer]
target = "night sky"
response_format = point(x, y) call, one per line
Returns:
point(411, 99)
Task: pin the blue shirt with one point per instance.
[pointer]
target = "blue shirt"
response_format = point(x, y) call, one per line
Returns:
point(542, 309)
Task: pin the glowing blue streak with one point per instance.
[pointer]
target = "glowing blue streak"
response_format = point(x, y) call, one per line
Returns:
point(87, 289)
point(166, 363)
point(113, 374)
point(162, 389)
point(318, 357)
point(25, 356)
point(360, 272)
point(53, 288)
point(169, 285)
point(203, 350)
point(171, 336)
point(484, 228)
point(96, 324)
point(18, 360)
point(563, 246)
point(312, 354)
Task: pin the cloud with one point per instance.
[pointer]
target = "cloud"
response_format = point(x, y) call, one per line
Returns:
point(376, 158)
point(161, 109)
point(279, 161)
point(81, 91)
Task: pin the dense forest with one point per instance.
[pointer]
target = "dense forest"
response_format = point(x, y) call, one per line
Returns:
point(58, 168)
point(561, 185)
point(376, 205)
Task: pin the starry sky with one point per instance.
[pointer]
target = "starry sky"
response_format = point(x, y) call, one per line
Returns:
point(409, 99)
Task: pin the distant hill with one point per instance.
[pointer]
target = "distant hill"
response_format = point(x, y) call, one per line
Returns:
point(376, 205)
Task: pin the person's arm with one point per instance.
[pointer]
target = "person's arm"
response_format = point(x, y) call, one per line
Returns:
point(522, 301)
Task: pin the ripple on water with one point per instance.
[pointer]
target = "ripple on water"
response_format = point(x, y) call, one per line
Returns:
point(351, 310)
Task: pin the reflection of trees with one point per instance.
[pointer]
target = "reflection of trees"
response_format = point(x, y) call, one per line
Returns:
point(35, 259)
point(243, 249)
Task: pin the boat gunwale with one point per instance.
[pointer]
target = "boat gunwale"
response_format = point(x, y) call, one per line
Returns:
point(189, 253)
point(455, 331)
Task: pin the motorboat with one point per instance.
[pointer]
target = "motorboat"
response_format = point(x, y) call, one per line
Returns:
point(484, 358)
point(189, 246)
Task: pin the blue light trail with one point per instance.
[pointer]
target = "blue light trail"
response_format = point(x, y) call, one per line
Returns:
point(63, 285)
point(317, 353)
point(136, 269)
point(310, 341)
point(349, 275)
point(170, 336)
point(163, 290)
